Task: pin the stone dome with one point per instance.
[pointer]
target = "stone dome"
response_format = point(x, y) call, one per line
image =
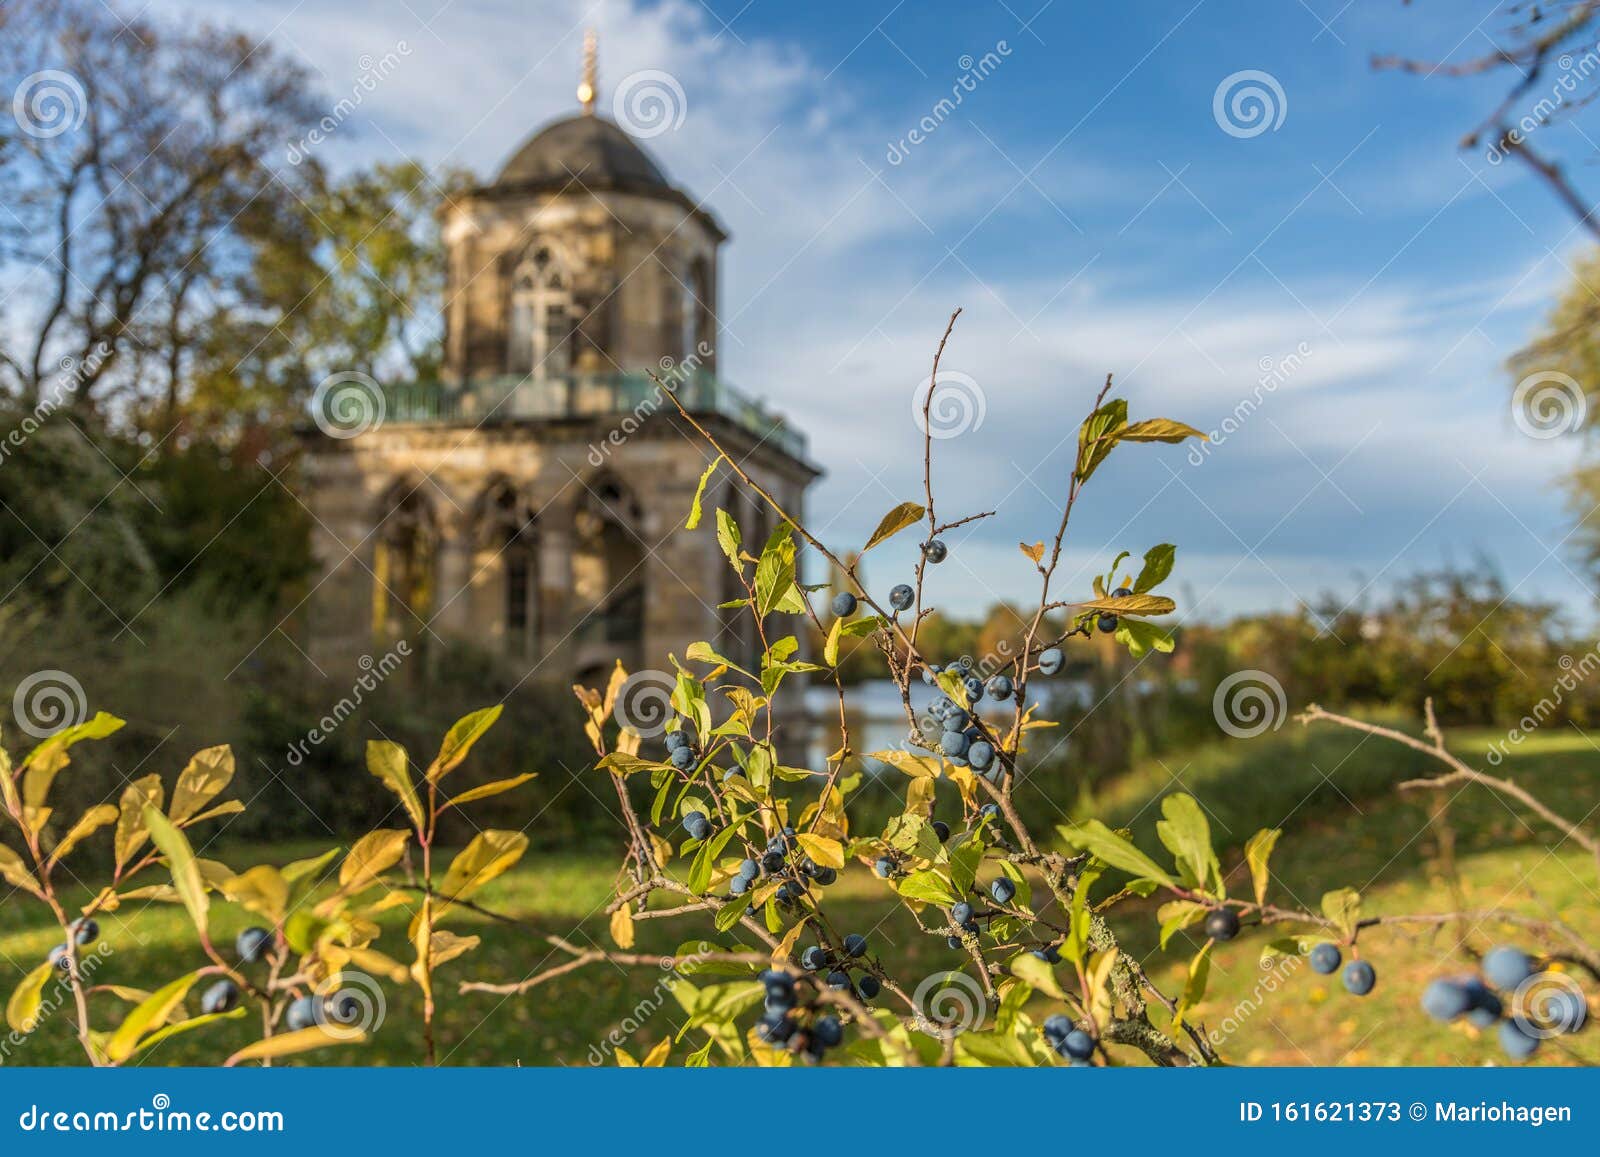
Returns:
point(583, 151)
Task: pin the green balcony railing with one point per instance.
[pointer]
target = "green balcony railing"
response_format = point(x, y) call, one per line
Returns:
point(513, 399)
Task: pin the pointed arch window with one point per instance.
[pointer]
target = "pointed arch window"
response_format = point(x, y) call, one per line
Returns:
point(403, 568)
point(542, 317)
point(509, 530)
point(696, 317)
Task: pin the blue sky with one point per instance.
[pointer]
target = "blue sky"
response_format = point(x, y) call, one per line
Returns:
point(1086, 209)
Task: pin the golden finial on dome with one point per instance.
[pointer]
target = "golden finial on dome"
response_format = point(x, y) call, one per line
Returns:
point(588, 87)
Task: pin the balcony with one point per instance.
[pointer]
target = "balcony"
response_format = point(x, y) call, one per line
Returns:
point(513, 399)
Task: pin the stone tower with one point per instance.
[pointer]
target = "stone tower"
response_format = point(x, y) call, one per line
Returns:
point(532, 500)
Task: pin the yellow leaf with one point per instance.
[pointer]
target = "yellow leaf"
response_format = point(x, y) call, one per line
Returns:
point(301, 1041)
point(894, 522)
point(261, 890)
point(484, 791)
point(174, 845)
point(446, 946)
point(387, 760)
point(131, 829)
point(1131, 605)
point(148, 1015)
point(202, 781)
point(459, 740)
point(657, 1057)
point(785, 948)
point(622, 927)
point(16, 873)
point(90, 822)
point(911, 764)
point(625, 1060)
point(371, 856)
point(488, 855)
point(825, 852)
point(22, 1010)
point(372, 961)
point(1035, 552)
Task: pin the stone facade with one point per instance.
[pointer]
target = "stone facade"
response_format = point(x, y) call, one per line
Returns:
point(532, 501)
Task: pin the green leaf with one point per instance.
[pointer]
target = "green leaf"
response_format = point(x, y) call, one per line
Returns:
point(22, 1010)
point(1290, 946)
point(189, 1025)
point(1030, 969)
point(387, 760)
point(459, 739)
point(1257, 851)
point(149, 1014)
point(1158, 562)
point(1098, 435)
point(1176, 915)
point(700, 493)
point(1343, 907)
point(1106, 845)
point(1194, 988)
point(206, 775)
point(928, 886)
point(1187, 836)
point(1141, 638)
point(174, 845)
point(775, 573)
point(705, 860)
point(729, 538)
point(1161, 430)
point(902, 516)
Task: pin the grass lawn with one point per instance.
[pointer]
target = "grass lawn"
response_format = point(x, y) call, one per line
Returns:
point(1332, 794)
